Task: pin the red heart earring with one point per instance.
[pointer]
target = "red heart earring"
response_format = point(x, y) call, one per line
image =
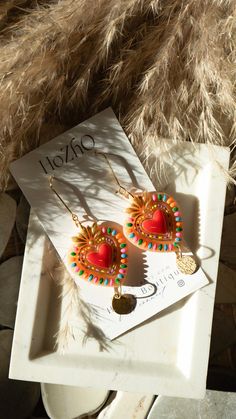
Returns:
point(99, 255)
point(155, 224)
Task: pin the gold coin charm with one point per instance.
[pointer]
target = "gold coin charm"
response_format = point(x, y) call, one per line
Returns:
point(186, 264)
point(123, 304)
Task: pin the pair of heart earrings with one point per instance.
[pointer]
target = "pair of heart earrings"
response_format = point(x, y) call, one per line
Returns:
point(99, 253)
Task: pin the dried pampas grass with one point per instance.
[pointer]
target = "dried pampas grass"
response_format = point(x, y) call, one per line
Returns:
point(166, 67)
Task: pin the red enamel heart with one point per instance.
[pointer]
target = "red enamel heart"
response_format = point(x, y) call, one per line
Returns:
point(157, 224)
point(102, 258)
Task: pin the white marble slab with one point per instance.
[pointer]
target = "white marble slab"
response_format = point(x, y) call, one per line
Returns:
point(168, 354)
point(215, 405)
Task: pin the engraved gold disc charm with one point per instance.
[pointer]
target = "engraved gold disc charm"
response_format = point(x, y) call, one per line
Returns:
point(124, 304)
point(186, 264)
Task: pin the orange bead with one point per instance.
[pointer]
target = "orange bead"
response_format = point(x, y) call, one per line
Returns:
point(169, 200)
point(173, 204)
point(179, 224)
point(119, 235)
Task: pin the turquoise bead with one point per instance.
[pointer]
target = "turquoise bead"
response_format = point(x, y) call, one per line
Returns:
point(150, 246)
point(164, 198)
point(73, 264)
point(120, 276)
point(166, 246)
point(124, 255)
point(177, 239)
point(114, 233)
point(90, 277)
point(131, 235)
point(178, 219)
point(106, 281)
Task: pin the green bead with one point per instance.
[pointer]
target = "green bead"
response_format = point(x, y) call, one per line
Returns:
point(109, 230)
point(175, 209)
point(179, 229)
point(117, 280)
point(81, 272)
point(159, 197)
point(140, 241)
point(123, 265)
point(176, 244)
point(129, 224)
point(101, 280)
point(73, 254)
point(123, 245)
point(160, 247)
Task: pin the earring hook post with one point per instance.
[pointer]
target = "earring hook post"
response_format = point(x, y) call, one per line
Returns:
point(74, 216)
point(124, 192)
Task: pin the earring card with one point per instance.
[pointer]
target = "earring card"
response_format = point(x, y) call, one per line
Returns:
point(87, 186)
point(167, 354)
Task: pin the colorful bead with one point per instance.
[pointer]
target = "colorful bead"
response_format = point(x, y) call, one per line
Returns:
point(164, 198)
point(150, 246)
point(178, 219)
point(129, 224)
point(114, 232)
point(73, 264)
point(95, 279)
point(123, 260)
point(136, 239)
point(100, 280)
point(106, 281)
point(123, 250)
point(124, 256)
point(117, 280)
point(111, 282)
point(130, 219)
point(154, 197)
point(173, 204)
point(81, 272)
point(165, 246)
point(170, 246)
point(119, 235)
point(177, 214)
point(169, 200)
point(120, 276)
point(123, 265)
point(76, 269)
point(131, 235)
point(122, 271)
point(90, 277)
point(160, 247)
point(122, 245)
point(175, 209)
point(178, 239)
point(179, 229)
point(154, 246)
point(103, 230)
point(159, 197)
point(140, 241)
point(178, 235)
point(73, 254)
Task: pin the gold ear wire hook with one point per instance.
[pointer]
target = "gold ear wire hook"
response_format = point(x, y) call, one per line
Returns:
point(75, 217)
point(122, 190)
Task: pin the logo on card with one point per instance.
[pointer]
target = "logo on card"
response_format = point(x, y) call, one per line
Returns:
point(75, 149)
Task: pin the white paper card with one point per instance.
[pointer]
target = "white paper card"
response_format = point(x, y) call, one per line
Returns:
point(89, 189)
